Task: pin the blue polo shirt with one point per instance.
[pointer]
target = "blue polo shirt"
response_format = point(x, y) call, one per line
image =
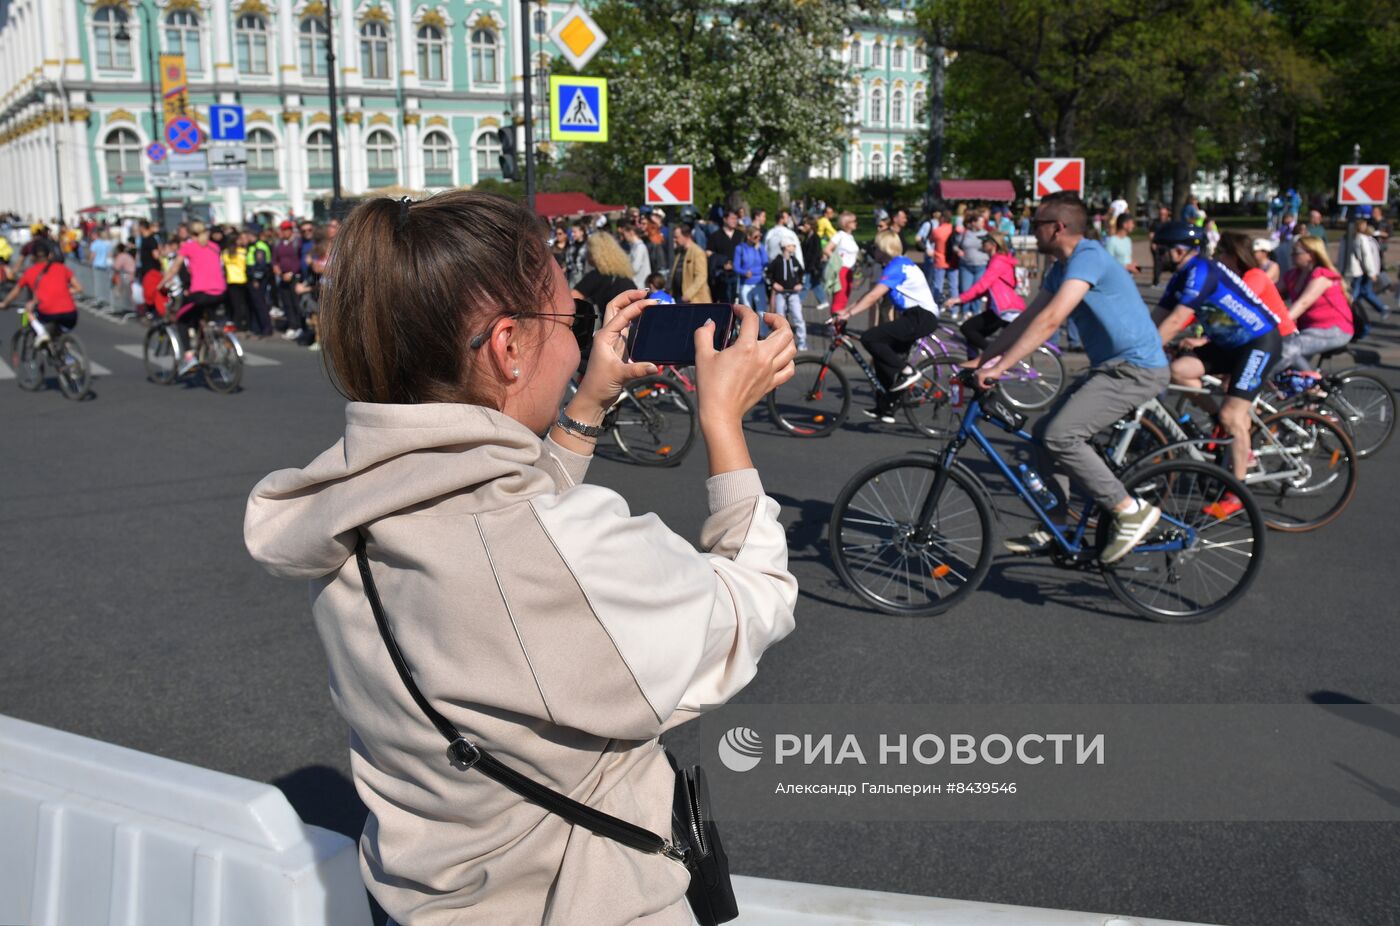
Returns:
point(1113, 321)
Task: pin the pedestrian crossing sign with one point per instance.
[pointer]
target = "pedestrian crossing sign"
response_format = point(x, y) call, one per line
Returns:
point(578, 108)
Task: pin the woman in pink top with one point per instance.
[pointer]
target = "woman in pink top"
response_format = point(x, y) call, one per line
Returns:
point(207, 287)
point(1317, 302)
point(998, 282)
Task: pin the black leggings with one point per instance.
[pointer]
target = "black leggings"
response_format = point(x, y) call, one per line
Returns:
point(889, 346)
point(979, 330)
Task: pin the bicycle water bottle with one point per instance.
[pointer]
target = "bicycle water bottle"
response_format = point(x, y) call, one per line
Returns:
point(1042, 494)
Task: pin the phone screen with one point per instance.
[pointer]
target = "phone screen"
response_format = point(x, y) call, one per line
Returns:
point(666, 333)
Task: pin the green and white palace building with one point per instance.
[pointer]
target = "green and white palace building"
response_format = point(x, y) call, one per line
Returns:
point(423, 87)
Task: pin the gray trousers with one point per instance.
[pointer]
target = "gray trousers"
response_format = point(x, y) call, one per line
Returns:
point(1090, 404)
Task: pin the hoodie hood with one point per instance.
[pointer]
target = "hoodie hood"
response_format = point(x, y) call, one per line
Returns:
point(302, 523)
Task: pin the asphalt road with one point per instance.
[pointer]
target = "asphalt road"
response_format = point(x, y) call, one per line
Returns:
point(133, 614)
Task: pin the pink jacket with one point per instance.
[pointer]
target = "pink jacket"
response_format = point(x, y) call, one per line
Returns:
point(999, 279)
point(1331, 310)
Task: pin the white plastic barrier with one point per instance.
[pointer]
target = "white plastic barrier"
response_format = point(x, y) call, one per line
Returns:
point(787, 903)
point(97, 834)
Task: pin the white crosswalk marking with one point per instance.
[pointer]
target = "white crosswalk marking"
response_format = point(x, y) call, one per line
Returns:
point(252, 360)
point(98, 369)
point(5, 371)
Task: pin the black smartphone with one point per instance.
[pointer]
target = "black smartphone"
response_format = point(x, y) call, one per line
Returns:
point(666, 332)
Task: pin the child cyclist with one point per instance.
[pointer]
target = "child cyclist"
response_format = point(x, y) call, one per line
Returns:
point(916, 317)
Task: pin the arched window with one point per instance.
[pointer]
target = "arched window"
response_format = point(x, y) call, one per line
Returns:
point(122, 152)
point(313, 47)
point(383, 155)
point(484, 63)
point(488, 153)
point(897, 56)
point(182, 38)
point(112, 53)
point(432, 47)
point(374, 50)
point(250, 44)
point(897, 108)
point(920, 60)
point(897, 166)
point(877, 54)
point(437, 159)
point(262, 151)
point(917, 112)
point(877, 107)
point(857, 104)
point(318, 150)
point(877, 165)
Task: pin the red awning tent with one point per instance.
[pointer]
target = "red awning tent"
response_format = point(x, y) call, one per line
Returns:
point(554, 205)
point(993, 191)
point(92, 210)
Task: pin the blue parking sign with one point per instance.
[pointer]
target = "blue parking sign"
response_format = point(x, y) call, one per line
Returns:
point(226, 123)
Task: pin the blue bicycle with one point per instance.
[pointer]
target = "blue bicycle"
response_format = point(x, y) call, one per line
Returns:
point(912, 535)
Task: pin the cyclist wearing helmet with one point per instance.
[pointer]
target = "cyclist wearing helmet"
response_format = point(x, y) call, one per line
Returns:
point(53, 286)
point(1241, 338)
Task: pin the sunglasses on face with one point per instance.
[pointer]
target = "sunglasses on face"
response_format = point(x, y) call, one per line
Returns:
point(581, 323)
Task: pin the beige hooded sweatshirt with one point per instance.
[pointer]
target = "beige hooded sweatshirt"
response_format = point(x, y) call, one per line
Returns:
point(543, 619)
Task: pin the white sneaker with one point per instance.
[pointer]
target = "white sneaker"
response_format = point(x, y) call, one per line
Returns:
point(187, 363)
point(1037, 541)
point(276, 313)
point(882, 417)
point(907, 377)
point(823, 306)
point(291, 334)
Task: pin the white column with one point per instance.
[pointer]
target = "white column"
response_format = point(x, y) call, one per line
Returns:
point(223, 70)
point(288, 30)
point(408, 46)
point(293, 166)
point(353, 150)
point(415, 175)
point(81, 151)
point(72, 64)
point(349, 46)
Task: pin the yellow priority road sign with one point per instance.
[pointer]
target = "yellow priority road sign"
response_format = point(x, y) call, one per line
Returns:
point(578, 108)
point(577, 36)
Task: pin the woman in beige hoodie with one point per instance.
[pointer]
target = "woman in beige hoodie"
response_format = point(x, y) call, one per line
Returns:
point(537, 613)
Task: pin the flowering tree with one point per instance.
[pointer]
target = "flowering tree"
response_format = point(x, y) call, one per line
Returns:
point(723, 84)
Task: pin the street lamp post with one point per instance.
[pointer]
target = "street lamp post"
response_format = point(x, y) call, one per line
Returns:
point(335, 121)
point(149, 41)
point(528, 79)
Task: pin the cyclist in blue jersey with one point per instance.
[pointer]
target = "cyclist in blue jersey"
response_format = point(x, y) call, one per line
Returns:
point(1241, 339)
point(889, 344)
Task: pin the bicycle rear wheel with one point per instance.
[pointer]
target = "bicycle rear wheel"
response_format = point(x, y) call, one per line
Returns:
point(1217, 560)
point(27, 360)
point(1306, 470)
point(927, 402)
point(161, 355)
point(874, 544)
point(221, 358)
point(1036, 381)
point(814, 402)
point(655, 423)
point(1366, 407)
point(71, 366)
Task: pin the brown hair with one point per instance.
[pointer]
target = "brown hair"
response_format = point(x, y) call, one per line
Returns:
point(1067, 208)
point(408, 284)
point(1239, 248)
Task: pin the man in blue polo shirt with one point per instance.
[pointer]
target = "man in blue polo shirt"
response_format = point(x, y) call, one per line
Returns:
point(1127, 367)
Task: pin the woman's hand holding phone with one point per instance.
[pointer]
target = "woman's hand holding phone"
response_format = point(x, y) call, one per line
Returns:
point(607, 369)
point(734, 380)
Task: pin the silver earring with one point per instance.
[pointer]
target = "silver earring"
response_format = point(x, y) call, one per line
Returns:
point(515, 372)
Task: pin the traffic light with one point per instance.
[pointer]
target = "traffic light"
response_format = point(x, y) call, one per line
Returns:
point(506, 136)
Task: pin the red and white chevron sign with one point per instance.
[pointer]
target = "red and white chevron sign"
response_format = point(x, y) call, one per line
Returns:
point(1052, 175)
point(668, 185)
point(1363, 184)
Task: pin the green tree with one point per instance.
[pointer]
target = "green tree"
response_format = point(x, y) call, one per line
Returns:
point(723, 84)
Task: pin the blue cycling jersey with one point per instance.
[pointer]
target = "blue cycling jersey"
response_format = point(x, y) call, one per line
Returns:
point(1225, 306)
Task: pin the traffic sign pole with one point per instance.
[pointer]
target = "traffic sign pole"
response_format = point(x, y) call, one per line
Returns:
point(529, 107)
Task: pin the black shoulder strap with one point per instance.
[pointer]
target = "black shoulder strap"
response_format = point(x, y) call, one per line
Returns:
point(465, 754)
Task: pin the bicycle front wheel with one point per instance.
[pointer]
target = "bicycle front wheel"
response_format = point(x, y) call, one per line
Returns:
point(1194, 564)
point(1366, 406)
point(1304, 470)
point(814, 402)
point(654, 424)
point(877, 547)
point(27, 360)
point(221, 358)
point(161, 356)
point(71, 366)
point(1036, 381)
